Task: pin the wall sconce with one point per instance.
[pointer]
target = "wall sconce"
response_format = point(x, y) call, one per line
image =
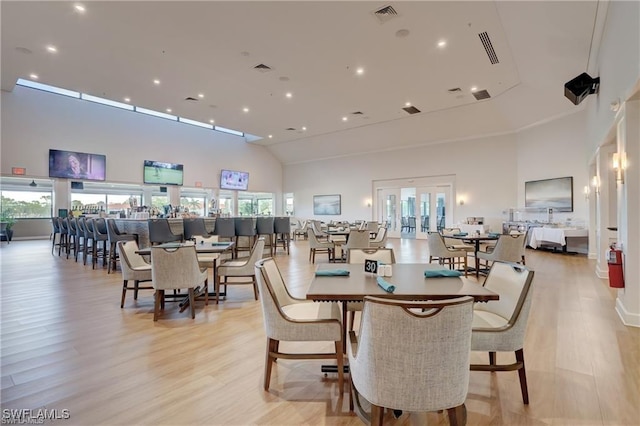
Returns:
point(586, 192)
point(461, 201)
point(368, 202)
point(595, 183)
point(619, 166)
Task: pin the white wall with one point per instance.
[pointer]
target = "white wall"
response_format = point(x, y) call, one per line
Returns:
point(34, 121)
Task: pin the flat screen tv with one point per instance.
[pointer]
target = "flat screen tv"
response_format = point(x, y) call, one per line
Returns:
point(159, 173)
point(77, 165)
point(230, 179)
point(556, 194)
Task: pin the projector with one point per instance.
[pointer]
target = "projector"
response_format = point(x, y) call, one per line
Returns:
point(581, 87)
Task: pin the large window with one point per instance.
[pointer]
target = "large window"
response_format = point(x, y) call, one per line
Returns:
point(225, 203)
point(108, 198)
point(20, 200)
point(255, 204)
point(194, 200)
point(288, 204)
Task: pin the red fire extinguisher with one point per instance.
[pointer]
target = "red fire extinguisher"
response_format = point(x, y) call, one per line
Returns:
point(614, 259)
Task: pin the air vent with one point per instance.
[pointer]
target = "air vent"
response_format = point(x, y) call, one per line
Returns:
point(356, 113)
point(411, 110)
point(488, 47)
point(262, 68)
point(481, 94)
point(290, 128)
point(385, 14)
point(189, 98)
point(455, 90)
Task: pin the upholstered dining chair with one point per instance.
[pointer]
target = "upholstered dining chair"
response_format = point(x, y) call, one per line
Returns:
point(206, 260)
point(439, 251)
point(134, 268)
point(240, 268)
point(508, 248)
point(380, 239)
point(160, 232)
point(412, 356)
point(301, 229)
point(290, 319)
point(317, 246)
point(453, 243)
point(114, 235)
point(500, 325)
point(358, 256)
point(226, 229)
point(174, 269)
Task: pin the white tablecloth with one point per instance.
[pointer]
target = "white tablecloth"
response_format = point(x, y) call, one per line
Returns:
point(471, 229)
point(554, 235)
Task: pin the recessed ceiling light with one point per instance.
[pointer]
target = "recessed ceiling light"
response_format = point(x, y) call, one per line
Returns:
point(408, 104)
point(33, 76)
point(304, 128)
point(127, 99)
point(270, 136)
point(212, 121)
point(52, 49)
point(442, 43)
point(201, 95)
point(168, 109)
point(360, 71)
point(289, 94)
point(156, 82)
point(245, 109)
point(79, 7)
point(402, 33)
point(474, 88)
point(345, 118)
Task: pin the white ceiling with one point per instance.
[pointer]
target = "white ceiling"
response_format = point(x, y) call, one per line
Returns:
point(117, 49)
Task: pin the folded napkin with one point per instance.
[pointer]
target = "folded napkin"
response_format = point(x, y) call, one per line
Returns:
point(436, 273)
point(494, 234)
point(222, 243)
point(332, 273)
point(386, 285)
point(461, 234)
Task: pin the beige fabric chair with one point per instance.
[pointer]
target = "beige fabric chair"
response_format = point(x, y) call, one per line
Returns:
point(439, 251)
point(501, 325)
point(316, 227)
point(240, 268)
point(289, 319)
point(173, 269)
point(380, 239)
point(316, 246)
point(207, 260)
point(508, 248)
point(301, 229)
point(453, 243)
point(412, 356)
point(358, 256)
point(134, 268)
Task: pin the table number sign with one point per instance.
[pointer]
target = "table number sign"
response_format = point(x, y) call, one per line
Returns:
point(371, 266)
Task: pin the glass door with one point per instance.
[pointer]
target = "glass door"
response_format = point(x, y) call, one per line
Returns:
point(434, 209)
point(389, 209)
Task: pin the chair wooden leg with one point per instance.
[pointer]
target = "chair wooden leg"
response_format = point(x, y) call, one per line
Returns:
point(352, 319)
point(523, 376)
point(377, 414)
point(268, 364)
point(457, 415)
point(206, 292)
point(216, 287)
point(492, 358)
point(255, 287)
point(158, 296)
point(340, 363)
point(192, 302)
point(124, 293)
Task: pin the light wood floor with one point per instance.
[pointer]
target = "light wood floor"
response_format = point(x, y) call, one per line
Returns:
point(66, 344)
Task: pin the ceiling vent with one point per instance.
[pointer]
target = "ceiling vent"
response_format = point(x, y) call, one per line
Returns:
point(262, 68)
point(455, 90)
point(189, 98)
point(385, 14)
point(488, 47)
point(290, 128)
point(481, 94)
point(411, 110)
point(357, 113)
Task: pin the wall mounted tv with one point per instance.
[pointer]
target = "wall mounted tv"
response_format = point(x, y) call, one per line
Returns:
point(230, 179)
point(556, 194)
point(77, 165)
point(159, 173)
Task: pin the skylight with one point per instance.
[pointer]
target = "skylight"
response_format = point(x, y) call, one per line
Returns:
point(229, 131)
point(157, 113)
point(47, 88)
point(195, 123)
point(104, 101)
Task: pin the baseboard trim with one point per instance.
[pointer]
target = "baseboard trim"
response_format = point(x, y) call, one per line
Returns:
point(604, 274)
point(41, 237)
point(627, 318)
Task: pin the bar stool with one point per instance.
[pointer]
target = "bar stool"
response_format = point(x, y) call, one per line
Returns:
point(194, 227)
point(114, 235)
point(265, 228)
point(159, 232)
point(72, 236)
point(246, 229)
point(88, 238)
point(55, 232)
point(81, 239)
point(64, 234)
point(226, 228)
point(99, 234)
point(282, 228)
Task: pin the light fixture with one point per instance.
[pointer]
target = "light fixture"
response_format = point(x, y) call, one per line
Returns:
point(360, 71)
point(461, 201)
point(212, 121)
point(245, 109)
point(201, 95)
point(619, 166)
point(52, 49)
point(33, 183)
point(270, 136)
point(169, 110)
point(407, 104)
point(33, 76)
point(127, 99)
point(304, 128)
point(442, 43)
point(586, 192)
point(595, 183)
point(344, 118)
point(289, 95)
point(474, 89)
point(156, 82)
point(80, 8)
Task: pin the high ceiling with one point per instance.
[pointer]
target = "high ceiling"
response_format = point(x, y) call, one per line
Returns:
point(313, 50)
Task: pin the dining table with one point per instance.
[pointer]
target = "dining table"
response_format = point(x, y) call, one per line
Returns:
point(408, 278)
point(476, 239)
point(216, 248)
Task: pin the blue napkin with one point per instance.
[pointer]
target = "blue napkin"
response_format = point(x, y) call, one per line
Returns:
point(386, 285)
point(222, 243)
point(494, 234)
point(437, 273)
point(332, 273)
point(461, 234)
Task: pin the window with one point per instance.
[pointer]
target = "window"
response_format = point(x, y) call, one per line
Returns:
point(225, 204)
point(109, 198)
point(118, 202)
point(86, 203)
point(20, 200)
point(288, 204)
point(255, 203)
point(159, 201)
point(195, 204)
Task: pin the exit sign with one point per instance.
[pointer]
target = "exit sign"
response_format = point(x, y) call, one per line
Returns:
point(18, 170)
